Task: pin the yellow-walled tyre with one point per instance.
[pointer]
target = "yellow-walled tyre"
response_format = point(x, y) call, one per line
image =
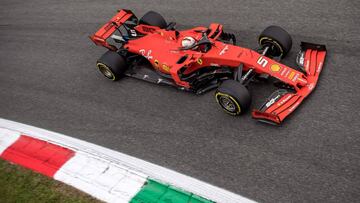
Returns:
point(233, 97)
point(112, 65)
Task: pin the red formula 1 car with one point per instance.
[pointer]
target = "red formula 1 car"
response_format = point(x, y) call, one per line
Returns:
point(204, 58)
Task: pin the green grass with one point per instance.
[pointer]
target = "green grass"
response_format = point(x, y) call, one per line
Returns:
point(18, 184)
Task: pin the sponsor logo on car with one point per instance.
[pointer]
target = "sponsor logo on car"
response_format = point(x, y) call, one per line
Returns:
point(291, 75)
point(281, 102)
point(296, 77)
point(287, 73)
point(311, 86)
point(146, 54)
point(275, 68)
point(283, 71)
point(165, 67)
point(156, 63)
point(272, 101)
point(319, 67)
point(224, 50)
point(214, 64)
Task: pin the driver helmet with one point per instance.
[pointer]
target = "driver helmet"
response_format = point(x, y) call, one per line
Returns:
point(187, 42)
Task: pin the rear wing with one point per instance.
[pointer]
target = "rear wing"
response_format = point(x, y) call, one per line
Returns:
point(100, 37)
point(283, 102)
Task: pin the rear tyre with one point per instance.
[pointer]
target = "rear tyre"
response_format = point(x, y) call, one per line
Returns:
point(112, 65)
point(154, 19)
point(233, 97)
point(277, 39)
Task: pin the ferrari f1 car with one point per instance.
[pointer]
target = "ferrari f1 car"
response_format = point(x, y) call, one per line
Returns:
point(205, 58)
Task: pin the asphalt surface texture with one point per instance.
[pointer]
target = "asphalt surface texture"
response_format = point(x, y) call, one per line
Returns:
point(48, 79)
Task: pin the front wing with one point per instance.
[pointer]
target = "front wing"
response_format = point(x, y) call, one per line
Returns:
point(283, 102)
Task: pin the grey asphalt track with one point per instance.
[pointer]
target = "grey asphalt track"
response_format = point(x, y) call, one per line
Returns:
point(48, 79)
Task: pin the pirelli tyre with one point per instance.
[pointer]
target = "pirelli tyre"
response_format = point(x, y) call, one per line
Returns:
point(278, 40)
point(233, 97)
point(154, 19)
point(112, 65)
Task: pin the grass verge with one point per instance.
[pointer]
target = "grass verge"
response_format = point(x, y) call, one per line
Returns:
point(18, 184)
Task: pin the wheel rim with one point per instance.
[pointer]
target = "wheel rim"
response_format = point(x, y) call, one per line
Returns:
point(228, 104)
point(276, 48)
point(105, 71)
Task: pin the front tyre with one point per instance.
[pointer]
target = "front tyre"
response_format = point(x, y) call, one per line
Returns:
point(277, 39)
point(233, 97)
point(112, 65)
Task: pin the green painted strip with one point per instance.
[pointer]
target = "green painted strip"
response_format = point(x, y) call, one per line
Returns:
point(156, 192)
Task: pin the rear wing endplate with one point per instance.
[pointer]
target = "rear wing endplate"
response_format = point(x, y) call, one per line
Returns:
point(100, 37)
